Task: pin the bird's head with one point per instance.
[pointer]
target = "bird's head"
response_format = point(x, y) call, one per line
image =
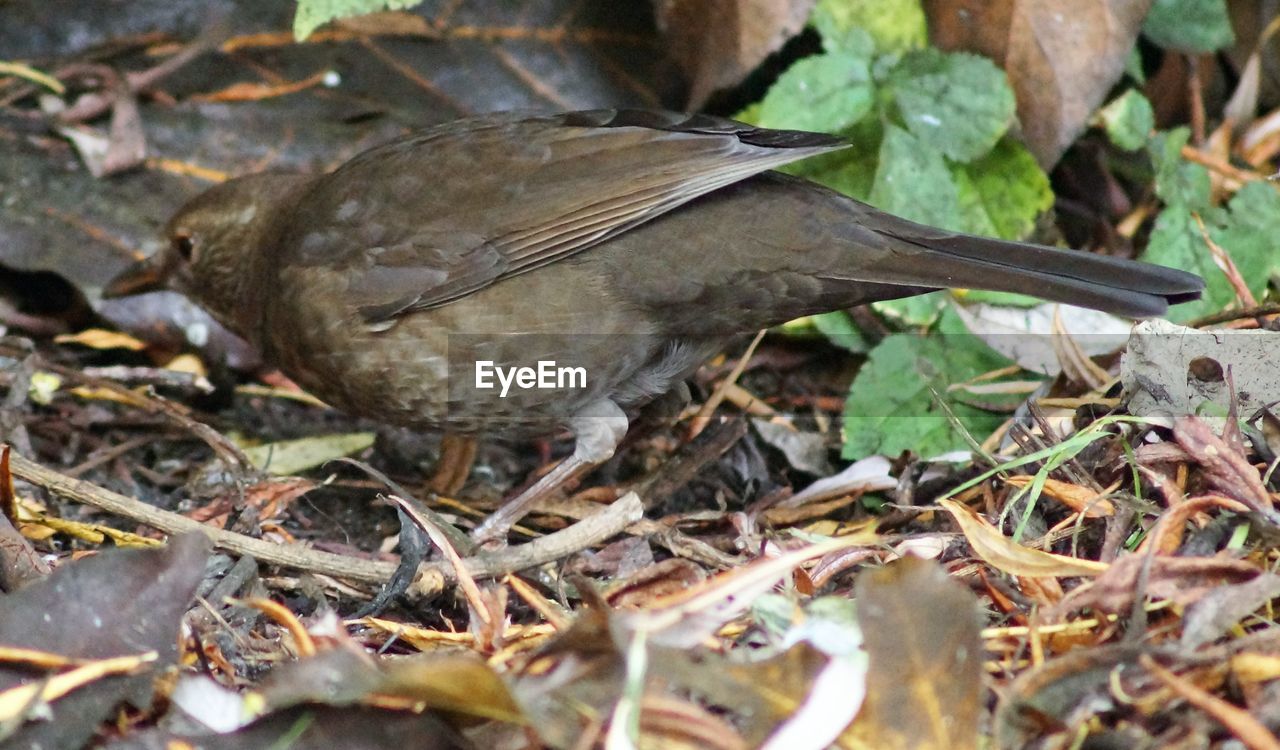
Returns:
point(216, 244)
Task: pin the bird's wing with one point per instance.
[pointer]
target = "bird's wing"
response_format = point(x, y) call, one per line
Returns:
point(436, 215)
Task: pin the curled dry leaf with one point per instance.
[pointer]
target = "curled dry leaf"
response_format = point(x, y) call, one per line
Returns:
point(19, 562)
point(1051, 694)
point(1221, 609)
point(674, 722)
point(654, 582)
point(683, 621)
point(871, 474)
point(1167, 535)
point(1225, 468)
point(1002, 553)
point(100, 338)
point(805, 451)
point(1077, 498)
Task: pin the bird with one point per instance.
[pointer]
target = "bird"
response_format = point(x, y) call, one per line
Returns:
point(624, 245)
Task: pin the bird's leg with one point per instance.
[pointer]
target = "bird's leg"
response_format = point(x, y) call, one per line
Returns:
point(457, 455)
point(597, 430)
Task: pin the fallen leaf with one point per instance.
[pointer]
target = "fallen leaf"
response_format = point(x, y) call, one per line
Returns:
point(924, 684)
point(116, 603)
point(292, 456)
point(1184, 580)
point(1061, 60)
point(99, 338)
point(718, 42)
point(1080, 499)
point(1006, 555)
point(1220, 609)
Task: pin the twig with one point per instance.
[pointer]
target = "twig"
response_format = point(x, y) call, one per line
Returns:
point(1251, 732)
point(457, 538)
point(90, 105)
point(1195, 92)
point(700, 422)
point(593, 530)
point(679, 470)
point(1226, 316)
point(1214, 164)
point(151, 376)
point(227, 451)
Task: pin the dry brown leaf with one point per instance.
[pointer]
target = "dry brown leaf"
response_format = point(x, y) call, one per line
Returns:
point(1250, 731)
point(1223, 608)
point(718, 42)
point(1080, 499)
point(1046, 591)
point(1184, 580)
point(459, 682)
point(1167, 535)
point(389, 23)
point(676, 724)
point(924, 684)
point(1061, 62)
point(683, 620)
point(653, 582)
point(1007, 555)
point(1254, 668)
point(1226, 469)
point(99, 338)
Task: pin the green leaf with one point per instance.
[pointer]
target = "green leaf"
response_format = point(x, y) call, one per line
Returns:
point(1129, 120)
point(918, 311)
point(890, 25)
point(1003, 193)
point(292, 456)
point(1178, 182)
point(840, 329)
point(1004, 299)
point(891, 406)
point(1176, 241)
point(913, 181)
point(1189, 25)
point(314, 13)
point(1249, 237)
point(749, 114)
point(1246, 232)
point(958, 103)
point(850, 171)
point(973, 213)
point(1133, 66)
point(827, 92)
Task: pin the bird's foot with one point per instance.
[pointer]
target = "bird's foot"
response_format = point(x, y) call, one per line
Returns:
point(597, 430)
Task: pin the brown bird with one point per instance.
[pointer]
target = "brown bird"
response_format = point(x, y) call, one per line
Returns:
point(630, 244)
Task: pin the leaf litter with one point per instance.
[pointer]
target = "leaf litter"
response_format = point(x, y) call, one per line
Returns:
point(1094, 573)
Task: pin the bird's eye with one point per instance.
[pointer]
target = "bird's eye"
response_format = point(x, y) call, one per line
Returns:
point(185, 246)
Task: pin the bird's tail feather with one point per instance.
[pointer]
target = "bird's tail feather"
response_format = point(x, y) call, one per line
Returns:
point(1114, 285)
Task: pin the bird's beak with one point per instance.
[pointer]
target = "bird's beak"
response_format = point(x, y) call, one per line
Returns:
point(148, 275)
